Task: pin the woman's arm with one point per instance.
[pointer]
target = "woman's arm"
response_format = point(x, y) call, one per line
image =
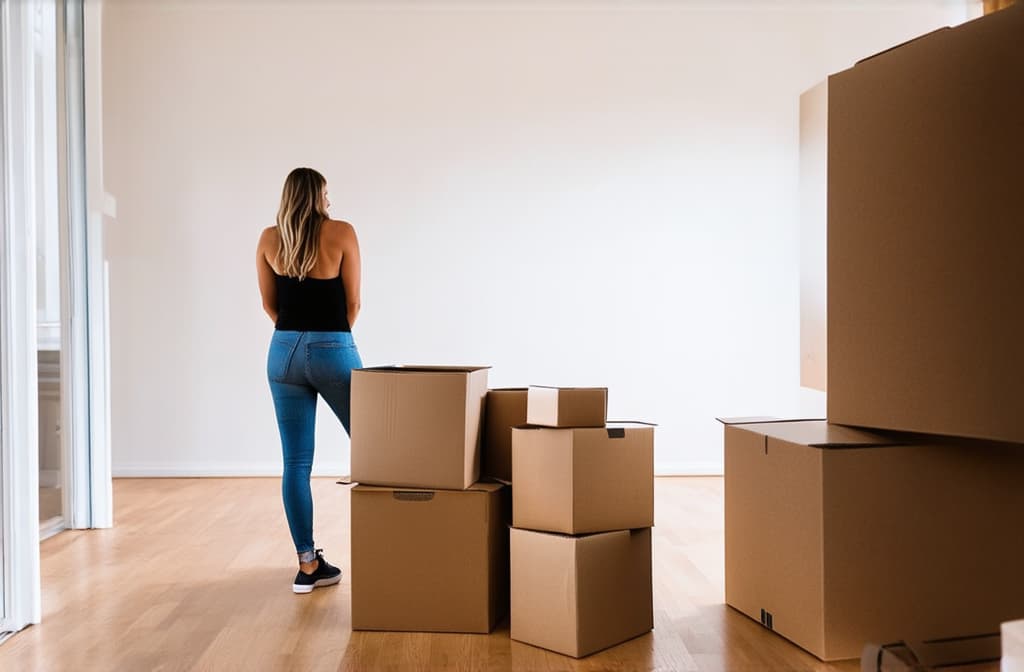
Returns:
point(265, 274)
point(351, 274)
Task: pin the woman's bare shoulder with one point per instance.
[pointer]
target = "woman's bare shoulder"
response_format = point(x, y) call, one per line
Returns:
point(339, 227)
point(269, 235)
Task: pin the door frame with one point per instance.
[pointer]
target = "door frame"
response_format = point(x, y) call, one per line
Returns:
point(19, 428)
point(85, 347)
point(84, 288)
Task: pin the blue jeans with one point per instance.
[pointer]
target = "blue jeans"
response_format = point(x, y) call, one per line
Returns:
point(300, 365)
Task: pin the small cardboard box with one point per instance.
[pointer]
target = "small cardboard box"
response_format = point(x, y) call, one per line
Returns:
point(925, 236)
point(505, 408)
point(583, 479)
point(429, 561)
point(579, 595)
point(836, 537)
point(417, 426)
point(567, 406)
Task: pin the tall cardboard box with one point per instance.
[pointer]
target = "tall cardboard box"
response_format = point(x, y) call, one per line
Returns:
point(417, 426)
point(429, 561)
point(583, 480)
point(579, 595)
point(505, 408)
point(925, 234)
point(836, 537)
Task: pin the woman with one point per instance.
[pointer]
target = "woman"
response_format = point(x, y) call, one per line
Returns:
point(308, 268)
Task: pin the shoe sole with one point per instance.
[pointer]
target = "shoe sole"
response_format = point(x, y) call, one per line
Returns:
point(302, 590)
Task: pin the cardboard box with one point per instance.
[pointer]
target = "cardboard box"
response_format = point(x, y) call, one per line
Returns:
point(429, 561)
point(417, 426)
point(584, 479)
point(567, 406)
point(835, 537)
point(505, 408)
point(925, 234)
point(578, 595)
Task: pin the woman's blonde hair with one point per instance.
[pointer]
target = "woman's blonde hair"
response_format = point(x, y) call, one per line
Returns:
point(299, 218)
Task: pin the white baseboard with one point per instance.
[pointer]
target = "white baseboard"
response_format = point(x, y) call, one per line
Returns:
point(689, 469)
point(51, 527)
point(217, 470)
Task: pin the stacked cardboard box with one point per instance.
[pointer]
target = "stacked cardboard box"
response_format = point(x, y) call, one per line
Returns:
point(429, 542)
point(505, 408)
point(925, 234)
point(836, 537)
point(890, 521)
point(583, 507)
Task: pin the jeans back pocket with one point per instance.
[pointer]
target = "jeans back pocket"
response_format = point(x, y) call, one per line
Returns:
point(282, 347)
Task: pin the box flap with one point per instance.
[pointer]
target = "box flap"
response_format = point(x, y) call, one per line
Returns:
point(482, 486)
point(570, 387)
point(611, 424)
point(820, 434)
point(903, 44)
point(1001, 15)
point(508, 389)
point(761, 419)
point(946, 31)
point(421, 368)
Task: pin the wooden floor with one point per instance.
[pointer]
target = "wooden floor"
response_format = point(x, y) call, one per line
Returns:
point(197, 576)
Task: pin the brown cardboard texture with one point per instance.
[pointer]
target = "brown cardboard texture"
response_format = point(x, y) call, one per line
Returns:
point(925, 234)
point(429, 561)
point(579, 595)
point(417, 426)
point(567, 406)
point(583, 480)
point(505, 408)
point(835, 537)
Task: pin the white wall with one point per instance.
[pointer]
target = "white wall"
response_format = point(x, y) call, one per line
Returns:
point(575, 193)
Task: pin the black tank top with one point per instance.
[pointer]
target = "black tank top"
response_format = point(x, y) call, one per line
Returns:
point(311, 304)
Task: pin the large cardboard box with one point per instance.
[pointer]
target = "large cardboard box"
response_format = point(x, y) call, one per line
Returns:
point(925, 234)
point(429, 561)
point(584, 479)
point(578, 595)
point(505, 408)
point(836, 537)
point(567, 406)
point(417, 426)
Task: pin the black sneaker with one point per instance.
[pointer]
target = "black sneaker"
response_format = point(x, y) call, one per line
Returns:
point(325, 574)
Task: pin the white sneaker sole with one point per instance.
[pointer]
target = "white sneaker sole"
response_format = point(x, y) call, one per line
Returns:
point(302, 590)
